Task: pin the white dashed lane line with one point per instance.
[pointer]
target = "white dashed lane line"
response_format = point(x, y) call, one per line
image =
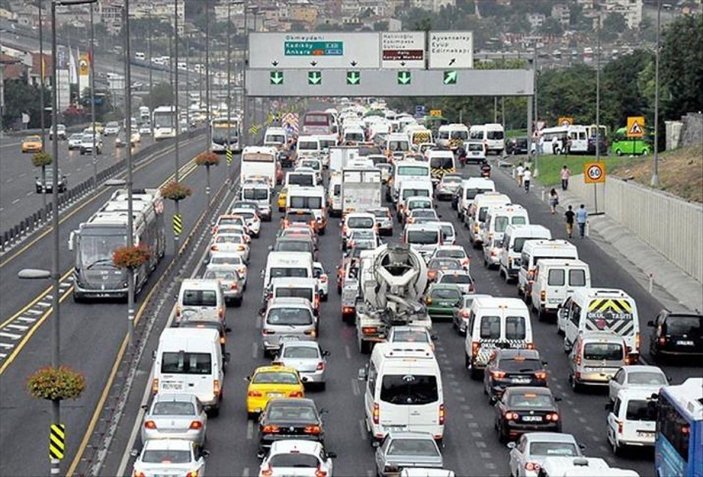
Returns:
point(12, 336)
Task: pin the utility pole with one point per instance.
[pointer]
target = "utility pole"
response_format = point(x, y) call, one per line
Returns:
point(130, 218)
point(176, 237)
point(41, 103)
point(229, 87)
point(535, 172)
point(207, 89)
point(151, 84)
point(595, 186)
point(92, 99)
point(655, 175)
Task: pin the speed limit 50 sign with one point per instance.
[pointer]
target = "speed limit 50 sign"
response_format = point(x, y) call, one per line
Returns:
point(594, 172)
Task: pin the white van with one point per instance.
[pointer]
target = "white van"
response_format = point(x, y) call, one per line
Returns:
point(200, 299)
point(408, 170)
point(287, 264)
point(190, 360)
point(397, 145)
point(632, 419)
point(581, 467)
point(441, 162)
point(495, 322)
point(424, 238)
point(334, 195)
point(498, 219)
point(261, 194)
point(556, 279)
point(275, 137)
point(479, 211)
point(468, 190)
point(414, 188)
point(514, 240)
point(353, 135)
point(452, 135)
point(492, 135)
point(403, 390)
point(308, 146)
point(602, 309)
point(535, 250)
point(475, 151)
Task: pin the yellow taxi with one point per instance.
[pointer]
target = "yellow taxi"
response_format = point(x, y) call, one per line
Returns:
point(282, 196)
point(32, 144)
point(270, 382)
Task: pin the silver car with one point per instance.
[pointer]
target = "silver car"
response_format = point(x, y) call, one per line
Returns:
point(446, 187)
point(233, 259)
point(231, 283)
point(285, 318)
point(407, 449)
point(175, 416)
point(307, 358)
point(460, 278)
point(161, 457)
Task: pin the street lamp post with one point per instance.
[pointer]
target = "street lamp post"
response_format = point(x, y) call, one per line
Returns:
point(595, 186)
point(655, 174)
point(129, 184)
point(92, 97)
point(175, 113)
point(229, 87)
point(207, 87)
point(41, 102)
point(535, 172)
point(151, 85)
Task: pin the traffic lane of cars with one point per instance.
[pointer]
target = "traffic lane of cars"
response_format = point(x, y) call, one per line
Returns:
point(18, 195)
point(606, 271)
point(91, 334)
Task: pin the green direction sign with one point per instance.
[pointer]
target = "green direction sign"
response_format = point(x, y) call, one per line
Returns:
point(353, 77)
point(314, 77)
point(450, 77)
point(276, 77)
point(313, 48)
point(404, 77)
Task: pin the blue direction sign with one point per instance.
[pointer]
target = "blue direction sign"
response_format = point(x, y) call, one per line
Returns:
point(420, 110)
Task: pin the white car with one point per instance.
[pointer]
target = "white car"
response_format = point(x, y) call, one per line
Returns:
point(530, 450)
point(411, 334)
point(637, 376)
point(136, 137)
point(175, 416)
point(294, 457)
point(145, 129)
point(230, 242)
point(452, 251)
point(74, 141)
point(356, 220)
point(323, 282)
point(170, 457)
point(112, 128)
point(251, 218)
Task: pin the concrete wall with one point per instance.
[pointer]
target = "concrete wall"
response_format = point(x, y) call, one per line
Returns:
point(668, 224)
point(692, 132)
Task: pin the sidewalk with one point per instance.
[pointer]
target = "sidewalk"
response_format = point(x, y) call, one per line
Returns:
point(672, 287)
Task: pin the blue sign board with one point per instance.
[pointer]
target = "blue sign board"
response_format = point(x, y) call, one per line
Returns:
point(420, 110)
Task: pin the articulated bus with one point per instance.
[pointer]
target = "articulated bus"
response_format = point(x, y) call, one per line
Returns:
point(165, 123)
point(225, 132)
point(678, 445)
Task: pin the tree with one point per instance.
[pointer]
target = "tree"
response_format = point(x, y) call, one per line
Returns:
point(21, 97)
point(613, 25)
point(622, 92)
point(552, 26)
point(160, 95)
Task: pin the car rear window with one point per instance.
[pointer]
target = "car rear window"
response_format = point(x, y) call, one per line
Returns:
point(446, 294)
point(360, 222)
point(289, 316)
point(556, 277)
point(180, 362)
point(565, 449)
point(300, 352)
point(275, 377)
point(603, 351)
point(303, 292)
point(577, 278)
point(461, 279)
point(173, 408)
point(640, 410)
point(423, 237)
point(294, 461)
point(409, 389)
point(166, 456)
point(533, 400)
point(685, 325)
point(517, 365)
point(490, 327)
point(199, 298)
point(515, 328)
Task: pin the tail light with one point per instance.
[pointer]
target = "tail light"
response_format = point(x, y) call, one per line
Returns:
point(310, 333)
point(428, 300)
point(432, 274)
point(532, 466)
point(268, 332)
point(465, 262)
point(313, 430)
point(267, 472)
point(320, 366)
point(214, 248)
point(296, 394)
point(511, 416)
point(155, 385)
point(149, 425)
point(376, 413)
point(464, 313)
point(498, 374)
point(637, 341)
point(475, 346)
point(541, 375)
point(242, 270)
point(347, 309)
point(233, 286)
point(178, 312)
point(531, 274)
point(270, 429)
point(254, 394)
point(320, 473)
point(553, 417)
point(241, 248)
point(138, 474)
point(542, 295)
point(619, 426)
point(216, 388)
point(323, 278)
point(222, 340)
point(221, 313)
point(195, 425)
point(578, 358)
point(662, 340)
point(442, 414)
point(369, 330)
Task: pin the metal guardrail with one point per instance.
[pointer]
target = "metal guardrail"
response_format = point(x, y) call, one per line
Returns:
point(35, 221)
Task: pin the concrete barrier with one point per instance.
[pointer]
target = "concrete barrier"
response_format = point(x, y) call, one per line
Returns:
point(670, 225)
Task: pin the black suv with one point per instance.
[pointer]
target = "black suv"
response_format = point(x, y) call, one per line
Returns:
point(676, 334)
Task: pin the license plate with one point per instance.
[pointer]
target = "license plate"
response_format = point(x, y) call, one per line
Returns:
point(171, 386)
point(532, 418)
point(395, 428)
point(684, 343)
point(520, 380)
point(275, 395)
point(645, 433)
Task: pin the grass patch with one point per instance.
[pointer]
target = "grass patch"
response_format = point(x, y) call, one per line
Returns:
point(515, 133)
point(550, 166)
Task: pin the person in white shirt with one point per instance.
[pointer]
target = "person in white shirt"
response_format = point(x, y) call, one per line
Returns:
point(527, 177)
point(520, 172)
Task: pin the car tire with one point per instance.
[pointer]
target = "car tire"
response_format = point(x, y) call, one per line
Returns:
point(324, 297)
point(364, 346)
point(322, 386)
point(238, 301)
point(617, 450)
point(575, 386)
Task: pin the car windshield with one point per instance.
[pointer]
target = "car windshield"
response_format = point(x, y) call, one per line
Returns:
point(293, 246)
point(255, 194)
point(200, 298)
point(360, 222)
point(363, 234)
point(275, 377)
point(229, 238)
point(295, 461)
point(279, 272)
point(308, 146)
point(685, 325)
point(519, 365)
point(409, 389)
point(459, 278)
point(424, 213)
point(166, 457)
point(603, 351)
point(442, 162)
point(303, 292)
point(180, 362)
point(423, 237)
point(410, 336)
point(446, 294)
point(301, 352)
point(641, 410)
point(289, 317)
point(472, 193)
point(220, 275)
point(566, 449)
point(283, 412)
point(412, 171)
point(530, 400)
point(412, 447)
point(300, 217)
point(415, 192)
point(173, 408)
point(451, 180)
point(647, 377)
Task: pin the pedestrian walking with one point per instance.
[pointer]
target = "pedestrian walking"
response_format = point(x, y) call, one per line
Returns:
point(527, 177)
point(581, 219)
point(553, 200)
point(569, 215)
point(520, 170)
point(565, 174)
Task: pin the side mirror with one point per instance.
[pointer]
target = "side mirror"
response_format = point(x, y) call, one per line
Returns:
point(153, 354)
point(227, 357)
point(439, 215)
point(263, 273)
point(375, 444)
point(362, 374)
point(331, 455)
point(247, 379)
point(145, 406)
point(434, 337)
point(204, 452)
point(493, 400)
point(134, 452)
point(608, 406)
point(668, 378)
point(651, 323)
point(228, 329)
point(325, 353)
point(582, 446)
point(557, 399)
point(510, 445)
point(71, 240)
point(270, 248)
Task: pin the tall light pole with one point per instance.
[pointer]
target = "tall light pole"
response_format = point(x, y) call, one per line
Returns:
point(128, 133)
point(207, 89)
point(151, 84)
point(92, 97)
point(42, 68)
point(175, 112)
point(535, 172)
point(655, 174)
point(229, 82)
point(595, 186)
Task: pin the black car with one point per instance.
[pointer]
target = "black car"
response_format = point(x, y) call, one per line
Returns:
point(517, 145)
point(526, 409)
point(676, 335)
point(289, 418)
point(284, 157)
point(513, 367)
point(49, 183)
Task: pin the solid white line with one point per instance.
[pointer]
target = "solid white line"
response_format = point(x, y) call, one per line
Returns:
point(3, 356)
point(362, 427)
point(347, 350)
point(12, 336)
point(44, 304)
point(245, 472)
point(254, 349)
point(29, 193)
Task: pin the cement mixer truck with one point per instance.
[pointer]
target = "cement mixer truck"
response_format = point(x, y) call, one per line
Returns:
point(392, 280)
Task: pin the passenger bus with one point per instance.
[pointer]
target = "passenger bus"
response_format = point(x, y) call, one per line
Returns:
point(259, 162)
point(678, 442)
point(164, 121)
point(623, 145)
point(318, 122)
point(224, 132)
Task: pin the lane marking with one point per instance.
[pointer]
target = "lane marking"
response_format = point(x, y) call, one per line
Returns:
point(254, 349)
point(245, 472)
point(250, 429)
point(362, 427)
point(476, 434)
point(6, 345)
point(10, 335)
point(32, 312)
point(480, 444)
point(347, 350)
point(17, 327)
point(44, 304)
point(355, 387)
point(15, 201)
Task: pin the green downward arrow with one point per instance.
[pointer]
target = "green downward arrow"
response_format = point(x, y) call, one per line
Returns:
point(353, 77)
point(404, 77)
point(450, 77)
point(276, 77)
point(314, 77)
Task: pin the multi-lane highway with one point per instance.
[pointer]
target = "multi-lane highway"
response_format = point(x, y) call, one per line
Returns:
point(471, 445)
